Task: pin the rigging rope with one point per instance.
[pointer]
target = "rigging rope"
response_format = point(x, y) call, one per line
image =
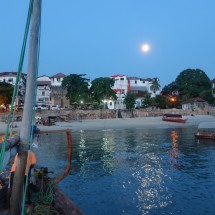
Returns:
point(43, 204)
point(22, 55)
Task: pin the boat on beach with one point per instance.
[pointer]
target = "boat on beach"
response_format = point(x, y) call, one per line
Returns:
point(206, 130)
point(174, 118)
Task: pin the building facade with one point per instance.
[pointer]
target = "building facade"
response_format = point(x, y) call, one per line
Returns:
point(43, 90)
point(137, 86)
point(56, 80)
point(58, 94)
point(194, 104)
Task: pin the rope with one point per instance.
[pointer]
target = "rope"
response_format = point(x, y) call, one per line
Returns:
point(44, 210)
point(16, 83)
point(43, 203)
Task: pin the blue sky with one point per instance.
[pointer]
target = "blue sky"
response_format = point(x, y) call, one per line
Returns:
point(101, 38)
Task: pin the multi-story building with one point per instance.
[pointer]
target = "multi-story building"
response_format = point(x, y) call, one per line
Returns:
point(58, 94)
point(138, 86)
point(121, 88)
point(43, 90)
point(56, 80)
point(10, 77)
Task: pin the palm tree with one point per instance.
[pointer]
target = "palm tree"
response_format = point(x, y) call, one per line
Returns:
point(155, 85)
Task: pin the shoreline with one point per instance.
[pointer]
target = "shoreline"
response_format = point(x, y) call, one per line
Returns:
point(118, 123)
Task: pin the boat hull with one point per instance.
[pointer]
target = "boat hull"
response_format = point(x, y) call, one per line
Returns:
point(171, 119)
point(61, 202)
point(207, 136)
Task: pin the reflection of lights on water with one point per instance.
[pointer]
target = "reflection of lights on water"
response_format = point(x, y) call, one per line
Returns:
point(174, 152)
point(152, 192)
point(174, 135)
point(107, 147)
point(82, 145)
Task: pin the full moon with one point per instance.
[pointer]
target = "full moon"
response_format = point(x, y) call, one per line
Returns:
point(145, 47)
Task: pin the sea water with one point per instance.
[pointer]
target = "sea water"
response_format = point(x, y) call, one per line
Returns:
point(135, 171)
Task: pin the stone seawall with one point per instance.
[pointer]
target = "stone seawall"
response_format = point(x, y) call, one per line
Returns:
point(109, 114)
point(65, 115)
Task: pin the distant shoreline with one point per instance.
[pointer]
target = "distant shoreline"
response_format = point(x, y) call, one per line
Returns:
point(126, 123)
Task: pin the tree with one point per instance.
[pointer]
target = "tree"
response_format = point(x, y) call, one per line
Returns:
point(155, 85)
point(77, 88)
point(161, 101)
point(101, 89)
point(147, 101)
point(207, 95)
point(6, 92)
point(130, 102)
point(189, 84)
point(169, 89)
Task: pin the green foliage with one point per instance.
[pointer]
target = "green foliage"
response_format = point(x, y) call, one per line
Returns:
point(190, 83)
point(155, 85)
point(147, 101)
point(6, 92)
point(207, 96)
point(101, 89)
point(77, 88)
point(170, 89)
point(129, 101)
point(161, 102)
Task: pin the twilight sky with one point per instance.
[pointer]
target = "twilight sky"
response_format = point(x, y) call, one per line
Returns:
point(101, 38)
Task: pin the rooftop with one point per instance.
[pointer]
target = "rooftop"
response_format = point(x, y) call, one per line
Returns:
point(58, 75)
point(2, 74)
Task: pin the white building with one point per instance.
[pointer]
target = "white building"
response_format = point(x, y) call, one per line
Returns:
point(57, 79)
point(142, 84)
point(137, 86)
point(121, 89)
point(10, 77)
point(43, 90)
point(58, 94)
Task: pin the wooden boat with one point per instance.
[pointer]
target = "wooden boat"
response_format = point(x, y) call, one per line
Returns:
point(62, 204)
point(206, 130)
point(173, 118)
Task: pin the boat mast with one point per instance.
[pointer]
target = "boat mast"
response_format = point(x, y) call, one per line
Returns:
point(32, 74)
point(18, 182)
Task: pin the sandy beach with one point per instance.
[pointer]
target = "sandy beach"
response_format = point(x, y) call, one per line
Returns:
point(126, 123)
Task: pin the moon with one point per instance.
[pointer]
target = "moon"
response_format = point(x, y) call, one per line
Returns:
point(145, 47)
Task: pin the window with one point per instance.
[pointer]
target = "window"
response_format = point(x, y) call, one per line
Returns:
point(58, 79)
point(10, 80)
point(122, 79)
point(43, 93)
point(135, 81)
point(111, 103)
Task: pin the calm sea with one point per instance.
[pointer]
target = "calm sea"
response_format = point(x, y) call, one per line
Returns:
point(159, 171)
